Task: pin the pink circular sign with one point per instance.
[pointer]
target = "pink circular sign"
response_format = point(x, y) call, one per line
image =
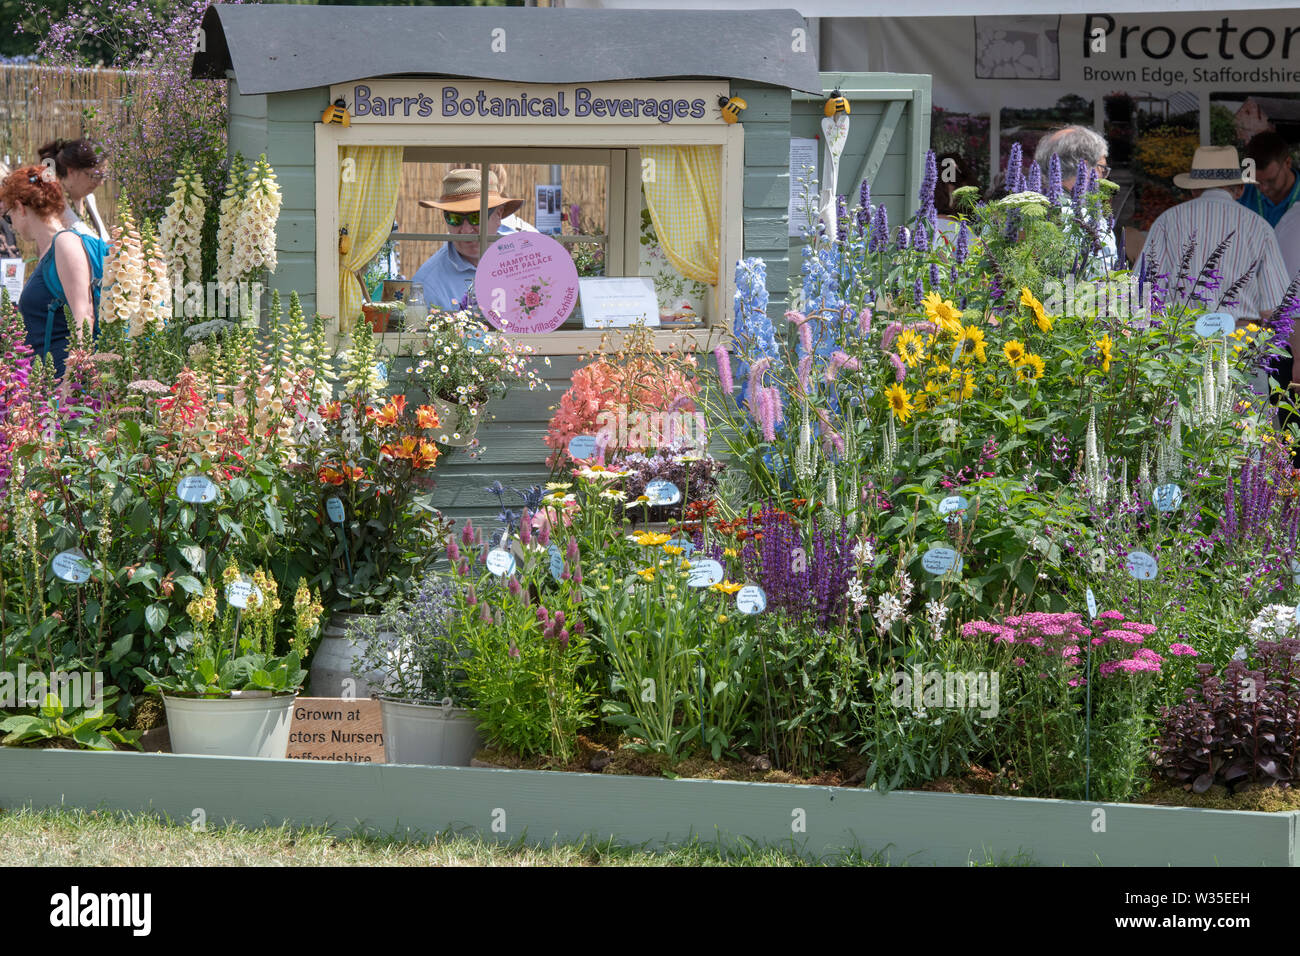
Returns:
point(526, 282)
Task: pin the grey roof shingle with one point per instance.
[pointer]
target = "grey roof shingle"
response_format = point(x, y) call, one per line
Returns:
point(273, 48)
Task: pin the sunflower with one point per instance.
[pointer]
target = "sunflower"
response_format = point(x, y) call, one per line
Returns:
point(1104, 345)
point(943, 313)
point(1031, 369)
point(1014, 352)
point(971, 343)
point(1043, 320)
point(910, 348)
point(964, 382)
point(899, 401)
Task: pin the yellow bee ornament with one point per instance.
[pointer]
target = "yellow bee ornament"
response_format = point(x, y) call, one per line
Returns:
point(337, 112)
point(838, 103)
point(731, 108)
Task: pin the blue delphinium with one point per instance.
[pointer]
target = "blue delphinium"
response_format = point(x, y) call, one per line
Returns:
point(755, 337)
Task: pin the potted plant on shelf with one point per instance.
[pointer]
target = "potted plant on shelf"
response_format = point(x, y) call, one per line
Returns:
point(229, 693)
point(409, 645)
point(380, 315)
point(460, 363)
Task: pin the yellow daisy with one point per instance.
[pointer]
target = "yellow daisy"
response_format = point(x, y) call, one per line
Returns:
point(647, 573)
point(910, 348)
point(726, 587)
point(1043, 320)
point(972, 344)
point(943, 313)
point(672, 549)
point(1031, 369)
point(651, 539)
point(899, 401)
point(1014, 352)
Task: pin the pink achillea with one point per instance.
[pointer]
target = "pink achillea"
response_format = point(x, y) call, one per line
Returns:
point(1182, 650)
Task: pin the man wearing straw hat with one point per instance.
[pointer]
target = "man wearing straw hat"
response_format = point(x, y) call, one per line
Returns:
point(1211, 216)
point(448, 274)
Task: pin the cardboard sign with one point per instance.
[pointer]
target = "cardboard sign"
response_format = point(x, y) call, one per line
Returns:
point(526, 282)
point(1215, 323)
point(196, 489)
point(331, 728)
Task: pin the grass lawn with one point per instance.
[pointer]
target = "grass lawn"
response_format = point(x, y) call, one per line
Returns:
point(105, 838)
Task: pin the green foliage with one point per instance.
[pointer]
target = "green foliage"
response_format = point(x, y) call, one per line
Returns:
point(88, 728)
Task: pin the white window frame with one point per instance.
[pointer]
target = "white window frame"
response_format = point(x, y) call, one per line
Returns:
point(559, 142)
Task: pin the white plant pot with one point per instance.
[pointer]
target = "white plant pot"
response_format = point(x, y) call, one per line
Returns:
point(331, 665)
point(242, 726)
point(426, 734)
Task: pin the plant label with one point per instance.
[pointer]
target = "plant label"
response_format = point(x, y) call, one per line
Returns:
point(662, 492)
point(1092, 604)
point(381, 371)
point(238, 593)
point(196, 489)
point(686, 546)
point(331, 728)
point(1295, 572)
point(334, 508)
point(582, 447)
point(1215, 323)
point(704, 573)
point(500, 562)
point(751, 600)
point(1141, 566)
point(71, 566)
point(940, 560)
point(1167, 498)
point(951, 504)
point(557, 561)
point(1297, 614)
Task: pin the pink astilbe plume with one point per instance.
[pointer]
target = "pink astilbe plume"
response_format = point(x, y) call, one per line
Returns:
point(805, 371)
point(723, 358)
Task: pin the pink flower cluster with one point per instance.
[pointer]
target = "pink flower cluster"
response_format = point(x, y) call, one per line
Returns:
point(1058, 636)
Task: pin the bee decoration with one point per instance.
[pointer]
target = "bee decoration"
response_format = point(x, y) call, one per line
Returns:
point(337, 112)
point(345, 241)
point(838, 103)
point(731, 108)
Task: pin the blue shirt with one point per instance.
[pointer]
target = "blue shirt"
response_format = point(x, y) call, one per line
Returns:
point(447, 275)
point(1256, 201)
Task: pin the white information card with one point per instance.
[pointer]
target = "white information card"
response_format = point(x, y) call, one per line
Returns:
point(617, 303)
point(11, 273)
point(803, 155)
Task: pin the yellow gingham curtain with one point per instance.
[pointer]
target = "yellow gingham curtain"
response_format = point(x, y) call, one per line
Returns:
point(367, 205)
point(685, 201)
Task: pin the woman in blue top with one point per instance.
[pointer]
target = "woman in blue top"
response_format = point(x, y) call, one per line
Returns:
point(69, 268)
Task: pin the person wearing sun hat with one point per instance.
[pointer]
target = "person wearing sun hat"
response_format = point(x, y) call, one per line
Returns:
point(1211, 216)
point(448, 274)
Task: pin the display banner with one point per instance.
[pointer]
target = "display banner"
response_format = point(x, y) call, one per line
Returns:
point(439, 101)
point(1028, 61)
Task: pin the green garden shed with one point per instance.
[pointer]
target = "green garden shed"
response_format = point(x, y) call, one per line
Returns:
point(594, 118)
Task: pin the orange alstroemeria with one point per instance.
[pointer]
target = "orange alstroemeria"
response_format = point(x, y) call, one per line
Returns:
point(426, 416)
point(331, 411)
point(426, 455)
point(330, 476)
point(386, 417)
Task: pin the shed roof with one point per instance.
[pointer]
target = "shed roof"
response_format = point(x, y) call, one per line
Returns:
point(273, 48)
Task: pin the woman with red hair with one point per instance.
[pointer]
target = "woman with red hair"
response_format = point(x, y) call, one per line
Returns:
point(70, 267)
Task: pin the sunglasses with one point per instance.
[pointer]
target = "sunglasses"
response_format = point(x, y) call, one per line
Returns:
point(454, 219)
